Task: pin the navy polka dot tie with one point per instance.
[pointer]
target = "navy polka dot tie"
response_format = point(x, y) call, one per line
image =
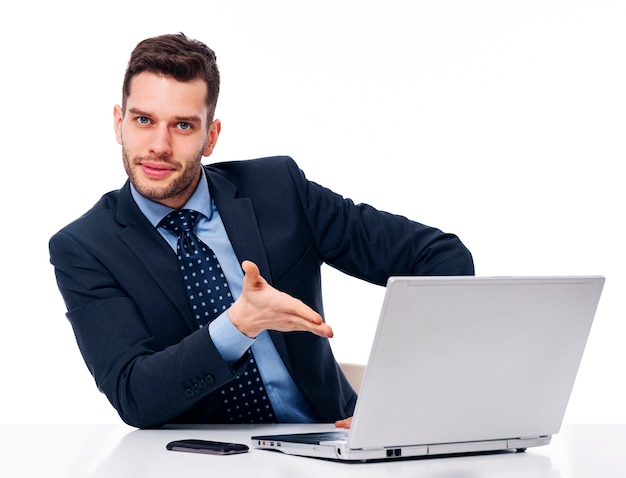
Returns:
point(244, 397)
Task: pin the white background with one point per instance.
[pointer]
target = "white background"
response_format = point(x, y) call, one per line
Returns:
point(500, 121)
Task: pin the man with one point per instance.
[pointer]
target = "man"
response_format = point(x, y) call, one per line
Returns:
point(151, 343)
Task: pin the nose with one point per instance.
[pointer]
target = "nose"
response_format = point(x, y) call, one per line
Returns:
point(160, 141)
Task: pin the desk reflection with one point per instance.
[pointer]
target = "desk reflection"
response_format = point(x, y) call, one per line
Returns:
point(142, 453)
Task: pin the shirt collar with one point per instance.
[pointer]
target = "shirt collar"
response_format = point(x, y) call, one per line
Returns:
point(199, 201)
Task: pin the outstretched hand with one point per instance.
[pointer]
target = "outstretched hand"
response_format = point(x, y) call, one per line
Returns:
point(261, 307)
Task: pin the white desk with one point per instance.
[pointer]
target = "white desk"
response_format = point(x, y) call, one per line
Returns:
point(117, 451)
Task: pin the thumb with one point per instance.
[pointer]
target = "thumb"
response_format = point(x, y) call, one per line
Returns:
point(252, 275)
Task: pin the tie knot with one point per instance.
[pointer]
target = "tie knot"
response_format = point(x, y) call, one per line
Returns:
point(179, 221)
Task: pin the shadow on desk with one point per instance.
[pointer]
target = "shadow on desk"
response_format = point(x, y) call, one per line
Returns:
point(142, 453)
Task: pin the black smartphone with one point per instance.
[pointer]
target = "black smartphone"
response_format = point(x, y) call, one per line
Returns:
point(207, 446)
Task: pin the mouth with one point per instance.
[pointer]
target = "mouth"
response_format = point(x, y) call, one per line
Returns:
point(156, 170)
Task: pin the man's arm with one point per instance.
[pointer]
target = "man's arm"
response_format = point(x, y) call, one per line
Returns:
point(151, 370)
point(373, 245)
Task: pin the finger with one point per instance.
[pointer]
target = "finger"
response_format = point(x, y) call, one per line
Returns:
point(291, 322)
point(322, 330)
point(252, 276)
point(327, 332)
point(309, 319)
point(250, 269)
point(345, 423)
point(300, 309)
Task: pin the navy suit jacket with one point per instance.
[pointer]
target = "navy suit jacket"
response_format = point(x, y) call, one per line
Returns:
point(131, 317)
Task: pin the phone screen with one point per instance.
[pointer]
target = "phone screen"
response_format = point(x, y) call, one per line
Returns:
point(207, 446)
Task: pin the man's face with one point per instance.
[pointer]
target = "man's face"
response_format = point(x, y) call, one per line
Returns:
point(164, 132)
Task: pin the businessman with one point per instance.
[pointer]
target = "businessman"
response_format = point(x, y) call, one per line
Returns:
point(194, 291)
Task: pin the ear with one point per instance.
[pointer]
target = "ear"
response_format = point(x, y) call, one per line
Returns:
point(118, 117)
point(214, 132)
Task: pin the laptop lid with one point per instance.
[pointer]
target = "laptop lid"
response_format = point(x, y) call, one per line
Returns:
point(483, 362)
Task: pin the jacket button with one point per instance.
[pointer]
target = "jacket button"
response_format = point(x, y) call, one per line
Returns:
point(209, 379)
point(189, 392)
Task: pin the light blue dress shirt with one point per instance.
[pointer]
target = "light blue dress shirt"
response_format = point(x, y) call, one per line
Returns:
point(287, 401)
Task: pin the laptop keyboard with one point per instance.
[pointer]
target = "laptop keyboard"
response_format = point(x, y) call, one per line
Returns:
point(312, 437)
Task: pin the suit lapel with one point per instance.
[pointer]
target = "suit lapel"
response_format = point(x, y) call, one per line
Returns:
point(240, 222)
point(157, 258)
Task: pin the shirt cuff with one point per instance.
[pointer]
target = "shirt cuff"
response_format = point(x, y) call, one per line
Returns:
point(228, 340)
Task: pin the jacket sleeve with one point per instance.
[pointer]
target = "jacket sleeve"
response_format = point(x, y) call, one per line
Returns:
point(373, 245)
point(150, 377)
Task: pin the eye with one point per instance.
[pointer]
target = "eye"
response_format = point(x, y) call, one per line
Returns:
point(185, 126)
point(143, 120)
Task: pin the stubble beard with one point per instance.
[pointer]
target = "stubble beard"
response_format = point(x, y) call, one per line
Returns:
point(173, 189)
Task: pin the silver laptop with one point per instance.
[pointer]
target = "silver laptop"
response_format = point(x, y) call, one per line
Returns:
point(463, 365)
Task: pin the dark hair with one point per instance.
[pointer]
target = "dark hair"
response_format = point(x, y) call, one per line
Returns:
point(176, 56)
